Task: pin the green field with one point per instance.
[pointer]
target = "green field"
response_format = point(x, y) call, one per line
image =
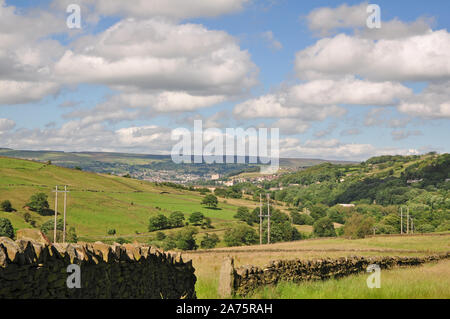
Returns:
point(98, 202)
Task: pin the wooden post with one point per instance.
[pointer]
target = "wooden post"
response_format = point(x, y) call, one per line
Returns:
point(65, 199)
point(260, 219)
point(56, 214)
point(407, 220)
point(401, 220)
point(268, 219)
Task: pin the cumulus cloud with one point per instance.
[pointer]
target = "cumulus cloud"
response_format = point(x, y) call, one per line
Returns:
point(160, 55)
point(175, 9)
point(432, 103)
point(401, 135)
point(334, 149)
point(318, 99)
point(417, 58)
point(326, 21)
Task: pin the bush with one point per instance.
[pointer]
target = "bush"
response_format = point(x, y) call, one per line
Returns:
point(301, 219)
point(49, 226)
point(210, 200)
point(318, 211)
point(425, 228)
point(111, 232)
point(39, 203)
point(72, 235)
point(185, 239)
point(324, 227)
point(158, 222)
point(445, 226)
point(176, 219)
point(240, 235)
point(385, 229)
point(358, 226)
point(196, 218)
point(122, 241)
point(6, 228)
point(160, 236)
point(6, 206)
point(209, 241)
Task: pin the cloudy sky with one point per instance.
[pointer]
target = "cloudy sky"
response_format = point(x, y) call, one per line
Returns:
point(138, 69)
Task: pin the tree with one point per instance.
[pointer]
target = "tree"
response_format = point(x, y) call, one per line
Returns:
point(425, 228)
point(207, 223)
point(158, 222)
point(39, 203)
point(72, 235)
point(176, 219)
point(6, 228)
point(160, 236)
point(111, 232)
point(324, 228)
point(301, 219)
point(210, 200)
point(358, 226)
point(49, 226)
point(6, 206)
point(185, 239)
point(240, 235)
point(196, 218)
point(242, 213)
point(209, 241)
point(318, 211)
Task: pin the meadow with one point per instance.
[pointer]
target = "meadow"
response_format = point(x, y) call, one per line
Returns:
point(99, 202)
point(208, 264)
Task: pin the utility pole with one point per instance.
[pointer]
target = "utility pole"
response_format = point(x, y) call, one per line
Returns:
point(64, 227)
point(401, 220)
point(260, 219)
point(407, 220)
point(268, 219)
point(56, 213)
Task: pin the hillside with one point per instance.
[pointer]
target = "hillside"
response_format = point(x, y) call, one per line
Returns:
point(99, 202)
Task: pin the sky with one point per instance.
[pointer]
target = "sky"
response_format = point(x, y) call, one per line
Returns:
point(136, 70)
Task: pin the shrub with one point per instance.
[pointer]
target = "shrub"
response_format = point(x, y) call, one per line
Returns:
point(301, 219)
point(158, 222)
point(209, 241)
point(185, 239)
point(160, 236)
point(324, 227)
point(445, 226)
point(49, 226)
point(111, 232)
point(318, 211)
point(210, 200)
point(358, 226)
point(196, 218)
point(425, 228)
point(122, 241)
point(240, 235)
point(72, 235)
point(176, 219)
point(6, 206)
point(39, 203)
point(6, 228)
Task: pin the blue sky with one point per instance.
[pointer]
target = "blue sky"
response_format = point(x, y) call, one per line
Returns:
point(135, 72)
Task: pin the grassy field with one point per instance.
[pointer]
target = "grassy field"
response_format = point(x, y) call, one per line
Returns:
point(208, 263)
point(427, 281)
point(98, 202)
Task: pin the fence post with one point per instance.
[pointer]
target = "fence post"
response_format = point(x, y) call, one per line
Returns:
point(226, 278)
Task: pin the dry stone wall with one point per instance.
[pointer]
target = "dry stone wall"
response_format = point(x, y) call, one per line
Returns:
point(29, 269)
point(248, 278)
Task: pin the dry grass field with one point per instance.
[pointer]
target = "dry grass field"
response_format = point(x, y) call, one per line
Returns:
point(208, 262)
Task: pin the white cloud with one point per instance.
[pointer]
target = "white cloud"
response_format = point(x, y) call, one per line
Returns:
point(417, 58)
point(15, 92)
point(159, 55)
point(270, 39)
point(334, 149)
point(401, 135)
point(177, 9)
point(6, 125)
point(291, 126)
point(326, 21)
point(432, 103)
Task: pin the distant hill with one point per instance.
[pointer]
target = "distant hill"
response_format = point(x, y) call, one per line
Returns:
point(142, 165)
